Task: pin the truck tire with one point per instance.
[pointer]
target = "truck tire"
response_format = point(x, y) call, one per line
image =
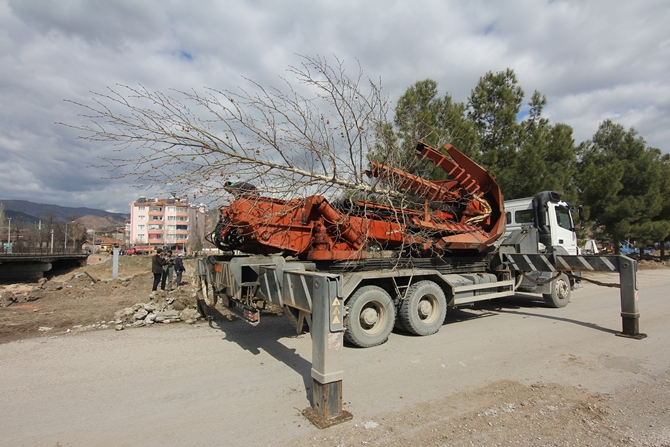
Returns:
point(560, 292)
point(371, 317)
point(423, 311)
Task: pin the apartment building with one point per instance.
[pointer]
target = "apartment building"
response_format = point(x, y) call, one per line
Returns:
point(171, 223)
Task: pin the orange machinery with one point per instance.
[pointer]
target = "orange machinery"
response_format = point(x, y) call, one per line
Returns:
point(459, 216)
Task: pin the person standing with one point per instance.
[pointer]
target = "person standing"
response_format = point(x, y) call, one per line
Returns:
point(179, 268)
point(168, 271)
point(157, 264)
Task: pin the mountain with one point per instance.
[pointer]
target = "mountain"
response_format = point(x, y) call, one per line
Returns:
point(30, 212)
point(18, 216)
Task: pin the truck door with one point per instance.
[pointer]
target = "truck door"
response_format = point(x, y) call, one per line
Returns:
point(562, 228)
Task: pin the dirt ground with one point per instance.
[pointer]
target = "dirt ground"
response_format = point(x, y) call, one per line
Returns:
point(84, 298)
point(508, 413)
point(504, 413)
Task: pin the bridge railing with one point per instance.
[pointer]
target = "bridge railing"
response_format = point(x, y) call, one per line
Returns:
point(21, 249)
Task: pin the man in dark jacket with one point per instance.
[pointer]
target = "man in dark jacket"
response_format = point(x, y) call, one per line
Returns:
point(168, 270)
point(179, 268)
point(157, 263)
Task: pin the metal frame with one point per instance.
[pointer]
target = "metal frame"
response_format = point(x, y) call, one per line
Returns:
point(625, 266)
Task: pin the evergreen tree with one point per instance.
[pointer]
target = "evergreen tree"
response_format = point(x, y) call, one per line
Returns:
point(546, 159)
point(493, 108)
point(421, 114)
point(620, 180)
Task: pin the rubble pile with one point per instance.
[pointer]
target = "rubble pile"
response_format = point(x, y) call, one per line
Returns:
point(163, 307)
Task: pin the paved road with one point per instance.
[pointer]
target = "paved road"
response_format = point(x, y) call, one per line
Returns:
point(179, 385)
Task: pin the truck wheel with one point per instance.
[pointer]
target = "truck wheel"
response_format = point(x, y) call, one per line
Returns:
point(560, 292)
point(424, 309)
point(371, 317)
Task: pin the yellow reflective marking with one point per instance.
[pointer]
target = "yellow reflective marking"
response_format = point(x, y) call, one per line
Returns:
point(336, 302)
point(336, 320)
point(336, 311)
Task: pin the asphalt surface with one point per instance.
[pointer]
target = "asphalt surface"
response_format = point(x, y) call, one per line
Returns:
point(234, 384)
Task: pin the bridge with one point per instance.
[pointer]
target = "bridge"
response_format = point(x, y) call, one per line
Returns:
point(32, 266)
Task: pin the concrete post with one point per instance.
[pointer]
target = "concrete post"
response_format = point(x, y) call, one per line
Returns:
point(115, 263)
point(630, 314)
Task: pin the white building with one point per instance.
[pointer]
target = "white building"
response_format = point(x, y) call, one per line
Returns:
point(170, 223)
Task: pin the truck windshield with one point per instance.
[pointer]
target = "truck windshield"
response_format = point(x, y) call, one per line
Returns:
point(563, 217)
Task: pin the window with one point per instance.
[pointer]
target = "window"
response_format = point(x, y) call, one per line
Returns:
point(171, 228)
point(155, 236)
point(508, 217)
point(170, 237)
point(525, 216)
point(182, 218)
point(563, 217)
point(172, 209)
point(141, 227)
point(156, 208)
point(182, 227)
point(141, 236)
point(155, 227)
point(156, 217)
point(172, 217)
point(141, 217)
point(141, 208)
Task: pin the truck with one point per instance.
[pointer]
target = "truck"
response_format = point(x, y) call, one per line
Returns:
point(401, 265)
point(139, 250)
point(552, 218)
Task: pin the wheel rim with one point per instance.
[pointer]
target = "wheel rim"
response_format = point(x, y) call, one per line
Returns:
point(562, 289)
point(372, 317)
point(428, 308)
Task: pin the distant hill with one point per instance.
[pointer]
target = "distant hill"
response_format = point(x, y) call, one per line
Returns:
point(18, 216)
point(98, 223)
point(30, 212)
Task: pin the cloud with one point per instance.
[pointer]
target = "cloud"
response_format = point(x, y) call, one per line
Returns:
point(593, 60)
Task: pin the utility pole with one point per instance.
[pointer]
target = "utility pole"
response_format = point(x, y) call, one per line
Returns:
point(52, 241)
point(9, 231)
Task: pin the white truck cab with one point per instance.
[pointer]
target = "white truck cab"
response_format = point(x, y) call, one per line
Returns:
point(550, 215)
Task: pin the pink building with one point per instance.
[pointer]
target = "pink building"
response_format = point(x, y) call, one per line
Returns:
point(170, 223)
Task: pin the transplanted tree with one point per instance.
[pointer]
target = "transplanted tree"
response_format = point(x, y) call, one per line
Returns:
point(620, 180)
point(310, 137)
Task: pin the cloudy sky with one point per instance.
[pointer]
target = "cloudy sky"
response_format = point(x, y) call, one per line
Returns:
point(592, 59)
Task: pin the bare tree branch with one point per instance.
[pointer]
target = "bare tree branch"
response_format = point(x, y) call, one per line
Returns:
point(310, 137)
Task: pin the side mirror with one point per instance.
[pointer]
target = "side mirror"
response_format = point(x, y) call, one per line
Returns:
point(582, 217)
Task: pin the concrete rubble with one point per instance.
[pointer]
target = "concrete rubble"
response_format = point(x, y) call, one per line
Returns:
point(163, 307)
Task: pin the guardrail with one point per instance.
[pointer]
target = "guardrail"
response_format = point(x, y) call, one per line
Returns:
point(36, 251)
